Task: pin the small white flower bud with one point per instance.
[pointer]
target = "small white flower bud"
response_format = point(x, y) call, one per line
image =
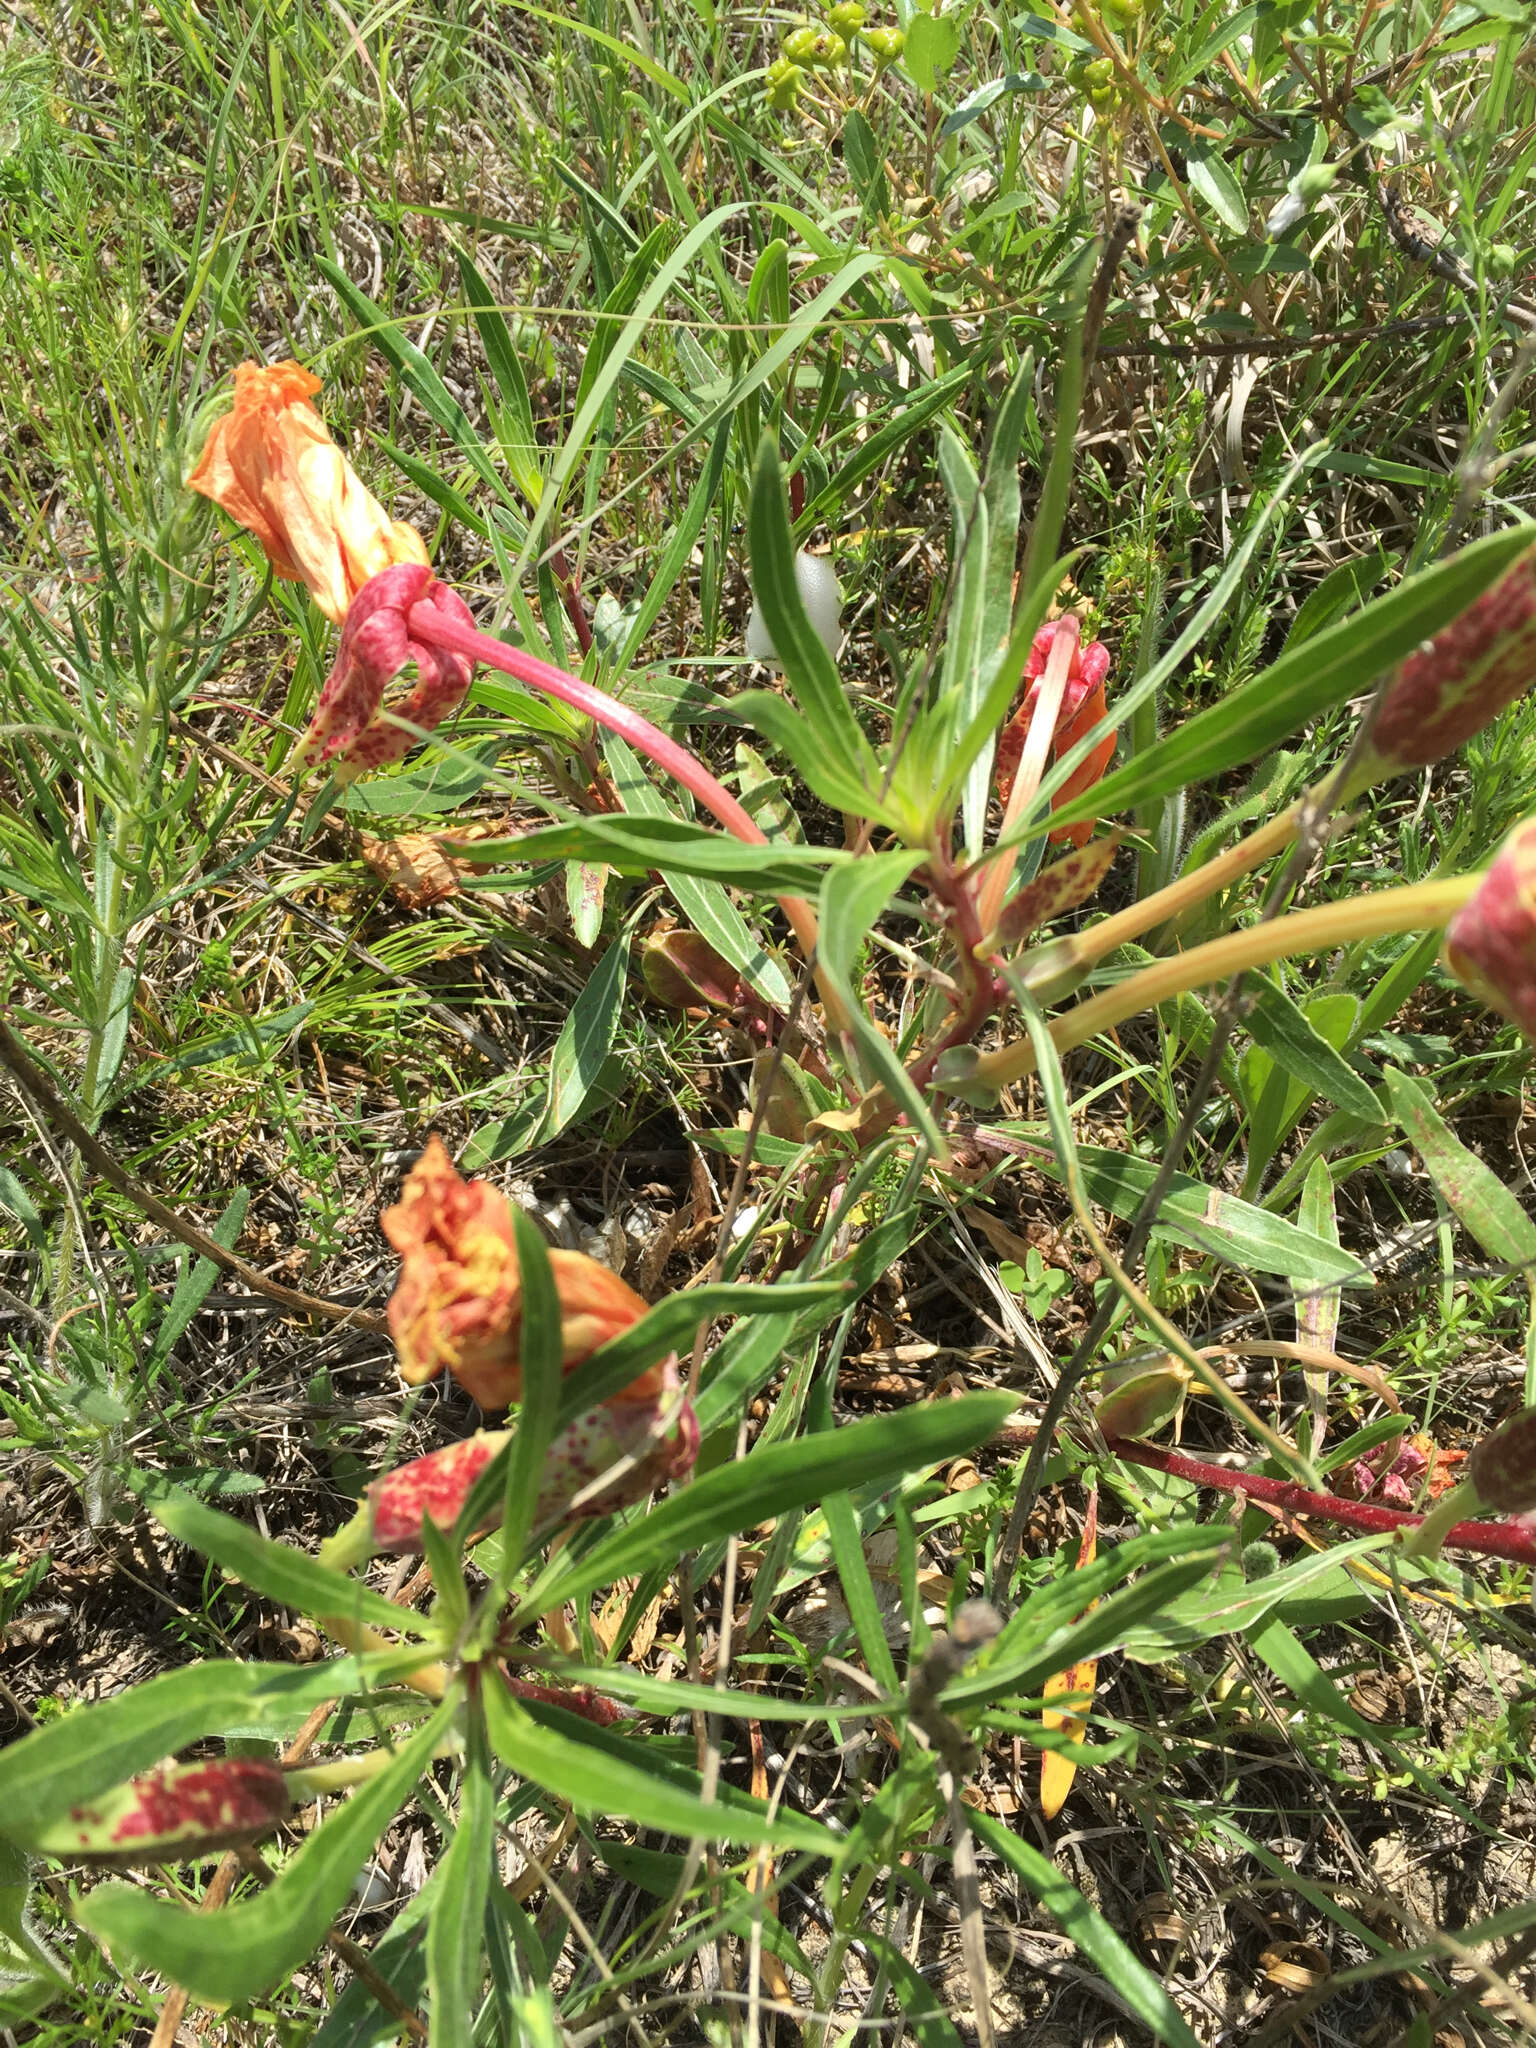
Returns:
point(822, 596)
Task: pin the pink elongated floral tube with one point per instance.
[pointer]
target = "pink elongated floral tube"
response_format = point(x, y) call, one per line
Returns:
point(403, 616)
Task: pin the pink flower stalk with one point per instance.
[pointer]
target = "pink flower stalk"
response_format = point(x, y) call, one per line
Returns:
point(1490, 944)
point(177, 1811)
point(1459, 680)
point(461, 636)
point(576, 1699)
point(347, 730)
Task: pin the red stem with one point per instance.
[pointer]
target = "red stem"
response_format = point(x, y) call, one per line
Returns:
point(1489, 1539)
point(570, 597)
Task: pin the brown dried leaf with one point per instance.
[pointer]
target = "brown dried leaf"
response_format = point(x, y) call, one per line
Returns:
point(414, 867)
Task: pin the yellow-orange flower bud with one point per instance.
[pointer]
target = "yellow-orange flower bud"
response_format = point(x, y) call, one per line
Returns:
point(459, 1300)
point(272, 466)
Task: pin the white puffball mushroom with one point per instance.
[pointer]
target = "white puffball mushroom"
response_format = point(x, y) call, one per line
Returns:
point(822, 596)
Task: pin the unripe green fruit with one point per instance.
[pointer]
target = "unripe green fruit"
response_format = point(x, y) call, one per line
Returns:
point(1100, 72)
point(784, 83)
point(815, 46)
point(847, 17)
point(885, 45)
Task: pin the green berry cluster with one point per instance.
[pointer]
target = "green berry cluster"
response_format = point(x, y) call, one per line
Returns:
point(825, 48)
point(1090, 74)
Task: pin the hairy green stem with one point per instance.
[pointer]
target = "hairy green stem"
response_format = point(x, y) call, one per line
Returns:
point(1418, 908)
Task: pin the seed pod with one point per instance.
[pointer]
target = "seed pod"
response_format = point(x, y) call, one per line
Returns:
point(174, 1813)
point(1503, 1466)
point(1139, 1399)
point(1490, 944)
point(683, 971)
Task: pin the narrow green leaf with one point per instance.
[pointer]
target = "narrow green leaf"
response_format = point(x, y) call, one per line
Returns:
point(456, 1926)
point(1317, 1309)
point(1306, 681)
point(671, 1324)
point(852, 898)
point(263, 1940)
point(1493, 1214)
point(417, 373)
point(1212, 177)
point(1132, 1982)
point(703, 903)
point(895, 430)
point(1292, 1042)
point(611, 1778)
point(197, 1277)
point(580, 1054)
point(859, 1588)
point(678, 552)
point(541, 1356)
point(517, 440)
point(832, 779)
point(276, 1569)
point(636, 844)
point(776, 1479)
point(1213, 1221)
point(810, 670)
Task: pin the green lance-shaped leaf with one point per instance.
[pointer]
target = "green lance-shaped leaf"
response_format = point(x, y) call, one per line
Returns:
point(263, 1940)
point(811, 671)
point(1480, 1200)
point(601, 1772)
point(1096, 1939)
point(1305, 682)
point(774, 1480)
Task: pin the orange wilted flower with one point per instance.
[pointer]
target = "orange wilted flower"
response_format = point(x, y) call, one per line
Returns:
point(1082, 706)
point(272, 466)
point(459, 1301)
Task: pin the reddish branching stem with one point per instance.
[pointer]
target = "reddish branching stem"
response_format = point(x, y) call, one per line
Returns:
point(1511, 1540)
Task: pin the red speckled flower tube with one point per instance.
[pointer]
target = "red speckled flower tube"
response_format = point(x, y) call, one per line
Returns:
point(1458, 681)
point(174, 1813)
point(1490, 944)
point(436, 1487)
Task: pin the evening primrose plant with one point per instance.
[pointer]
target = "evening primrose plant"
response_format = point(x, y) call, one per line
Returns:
point(968, 846)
